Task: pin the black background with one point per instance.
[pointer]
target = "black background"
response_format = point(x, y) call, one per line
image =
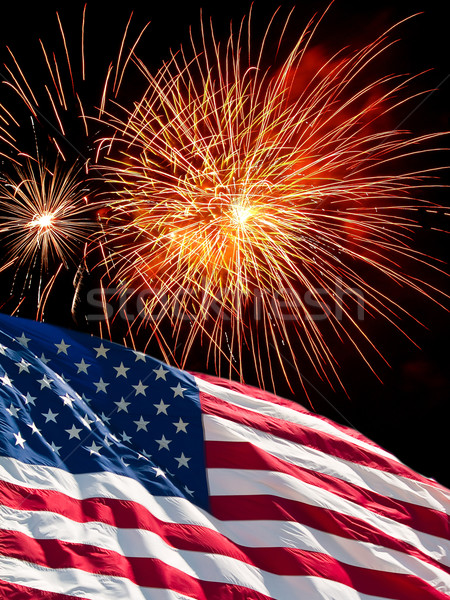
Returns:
point(408, 413)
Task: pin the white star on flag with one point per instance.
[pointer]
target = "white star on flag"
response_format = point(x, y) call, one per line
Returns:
point(62, 347)
point(68, 401)
point(6, 380)
point(121, 370)
point(163, 443)
point(23, 366)
point(23, 340)
point(87, 422)
point(85, 399)
point(94, 449)
point(13, 410)
point(19, 439)
point(50, 416)
point(160, 372)
point(125, 437)
point(101, 351)
point(178, 390)
point(104, 418)
point(181, 425)
point(159, 472)
point(82, 366)
point(45, 382)
point(73, 432)
point(122, 405)
point(44, 359)
point(101, 386)
point(62, 377)
point(34, 429)
point(55, 448)
point(141, 424)
point(140, 388)
point(161, 407)
point(182, 461)
point(29, 399)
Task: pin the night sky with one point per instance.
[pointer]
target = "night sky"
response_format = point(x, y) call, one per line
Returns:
point(408, 412)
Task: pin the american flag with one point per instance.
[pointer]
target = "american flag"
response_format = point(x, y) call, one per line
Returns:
point(124, 478)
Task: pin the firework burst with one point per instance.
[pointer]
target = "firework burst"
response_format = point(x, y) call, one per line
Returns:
point(252, 193)
point(44, 217)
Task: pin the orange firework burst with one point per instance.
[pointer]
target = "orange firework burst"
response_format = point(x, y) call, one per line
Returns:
point(251, 193)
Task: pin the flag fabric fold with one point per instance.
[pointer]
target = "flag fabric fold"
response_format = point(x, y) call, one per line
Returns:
point(122, 477)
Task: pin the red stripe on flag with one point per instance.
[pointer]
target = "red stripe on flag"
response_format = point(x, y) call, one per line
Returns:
point(244, 455)
point(267, 508)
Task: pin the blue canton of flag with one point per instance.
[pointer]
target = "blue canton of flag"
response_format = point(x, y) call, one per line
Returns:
point(78, 403)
